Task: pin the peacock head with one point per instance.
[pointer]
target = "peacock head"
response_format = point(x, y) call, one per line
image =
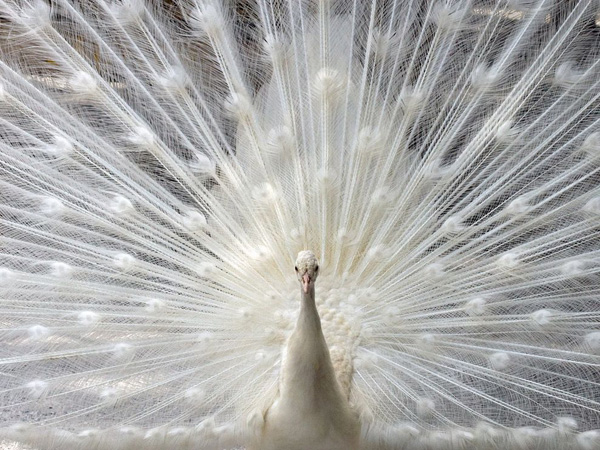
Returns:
point(307, 269)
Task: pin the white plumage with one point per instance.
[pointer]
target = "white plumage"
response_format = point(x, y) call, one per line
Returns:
point(163, 163)
point(311, 409)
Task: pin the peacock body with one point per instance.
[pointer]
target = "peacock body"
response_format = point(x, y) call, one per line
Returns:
point(163, 163)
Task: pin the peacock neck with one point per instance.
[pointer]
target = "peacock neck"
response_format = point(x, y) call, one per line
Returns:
point(307, 367)
point(310, 406)
point(309, 316)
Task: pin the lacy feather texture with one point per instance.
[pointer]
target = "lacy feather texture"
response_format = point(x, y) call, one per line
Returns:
point(163, 163)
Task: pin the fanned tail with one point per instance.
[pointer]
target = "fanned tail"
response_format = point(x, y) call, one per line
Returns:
point(162, 163)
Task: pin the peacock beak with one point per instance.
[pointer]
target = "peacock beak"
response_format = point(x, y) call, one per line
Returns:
point(305, 282)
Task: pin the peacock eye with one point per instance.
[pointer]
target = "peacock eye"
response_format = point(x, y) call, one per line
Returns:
point(296, 268)
point(316, 268)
